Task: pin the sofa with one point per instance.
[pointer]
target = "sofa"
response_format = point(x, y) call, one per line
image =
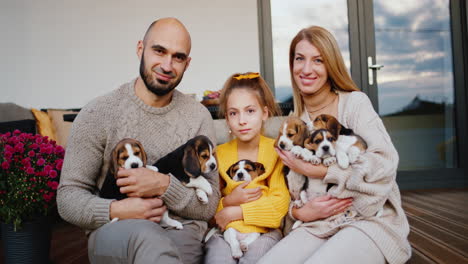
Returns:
point(56, 123)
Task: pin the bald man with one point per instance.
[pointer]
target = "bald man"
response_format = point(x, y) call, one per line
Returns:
point(151, 110)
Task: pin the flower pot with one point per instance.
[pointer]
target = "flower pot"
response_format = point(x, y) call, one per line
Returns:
point(30, 244)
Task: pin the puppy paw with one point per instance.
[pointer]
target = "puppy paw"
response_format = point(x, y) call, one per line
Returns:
point(236, 253)
point(329, 161)
point(298, 203)
point(315, 160)
point(202, 197)
point(243, 246)
point(178, 226)
point(297, 151)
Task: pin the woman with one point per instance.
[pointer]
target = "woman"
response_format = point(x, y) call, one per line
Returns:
point(322, 85)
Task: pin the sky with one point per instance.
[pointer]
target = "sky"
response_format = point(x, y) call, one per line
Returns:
point(413, 42)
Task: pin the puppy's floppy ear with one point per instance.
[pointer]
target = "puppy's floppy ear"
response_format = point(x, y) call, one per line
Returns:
point(114, 161)
point(143, 153)
point(190, 160)
point(259, 168)
point(302, 131)
point(334, 127)
point(308, 143)
point(230, 171)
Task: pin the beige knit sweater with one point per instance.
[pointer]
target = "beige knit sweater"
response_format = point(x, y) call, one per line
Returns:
point(371, 182)
point(117, 115)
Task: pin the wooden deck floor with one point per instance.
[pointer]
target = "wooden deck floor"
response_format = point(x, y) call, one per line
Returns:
point(438, 219)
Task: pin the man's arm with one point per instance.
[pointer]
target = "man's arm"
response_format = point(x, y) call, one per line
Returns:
point(183, 201)
point(76, 199)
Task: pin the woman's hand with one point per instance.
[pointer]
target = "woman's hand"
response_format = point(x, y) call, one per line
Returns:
point(321, 208)
point(241, 195)
point(227, 215)
point(300, 166)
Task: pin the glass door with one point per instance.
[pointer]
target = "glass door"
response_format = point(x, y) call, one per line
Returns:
point(415, 85)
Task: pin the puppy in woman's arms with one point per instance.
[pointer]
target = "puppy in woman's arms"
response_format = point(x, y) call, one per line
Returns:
point(348, 145)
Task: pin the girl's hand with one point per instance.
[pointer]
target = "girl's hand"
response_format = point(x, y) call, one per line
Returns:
point(227, 215)
point(300, 166)
point(241, 195)
point(321, 208)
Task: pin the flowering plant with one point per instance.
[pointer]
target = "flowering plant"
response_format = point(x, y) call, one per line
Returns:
point(30, 166)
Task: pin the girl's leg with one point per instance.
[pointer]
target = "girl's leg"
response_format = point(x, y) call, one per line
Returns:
point(296, 247)
point(217, 250)
point(260, 246)
point(349, 245)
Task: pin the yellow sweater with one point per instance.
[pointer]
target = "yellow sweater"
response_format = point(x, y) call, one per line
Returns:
point(267, 211)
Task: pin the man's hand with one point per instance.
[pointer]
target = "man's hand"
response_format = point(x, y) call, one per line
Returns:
point(142, 182)
point(242, 195)
point(138, 208)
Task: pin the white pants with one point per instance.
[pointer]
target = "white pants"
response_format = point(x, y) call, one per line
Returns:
point(349, 245)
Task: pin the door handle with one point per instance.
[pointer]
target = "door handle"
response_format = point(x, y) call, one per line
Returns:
point(376, 66)
point(372, 67)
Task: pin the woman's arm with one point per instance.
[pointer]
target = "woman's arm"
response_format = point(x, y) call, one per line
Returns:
point(300, 166)
point(372, 178)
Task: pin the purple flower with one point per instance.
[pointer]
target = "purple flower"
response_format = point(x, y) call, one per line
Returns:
point(59, 164)
point(47, 168)
point(53, 185)
point(53, 174)
point(8, 154)
point(31, 153)
point(30, 170)
point(40, 162)
point(5, 165)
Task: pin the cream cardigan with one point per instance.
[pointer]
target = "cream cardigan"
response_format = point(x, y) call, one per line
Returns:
point(371, 182)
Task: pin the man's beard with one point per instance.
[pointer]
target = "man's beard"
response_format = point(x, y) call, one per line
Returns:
point(157, 87)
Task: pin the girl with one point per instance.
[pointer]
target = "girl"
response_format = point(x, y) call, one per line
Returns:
point(260, 205)
point(322, 85)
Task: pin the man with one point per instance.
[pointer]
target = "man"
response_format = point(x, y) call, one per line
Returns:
point(161, 118)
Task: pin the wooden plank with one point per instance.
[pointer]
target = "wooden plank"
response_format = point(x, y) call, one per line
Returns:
point(435, 201)
point(417, 257)
point(448, 224)
point(433, 249)
point(437, 210)
point(444, 237)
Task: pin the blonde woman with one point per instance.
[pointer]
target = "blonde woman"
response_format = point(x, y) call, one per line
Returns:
point(322, 85)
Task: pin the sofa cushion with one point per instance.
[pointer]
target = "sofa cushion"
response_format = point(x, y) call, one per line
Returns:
point(62, 128)
point(44, 124)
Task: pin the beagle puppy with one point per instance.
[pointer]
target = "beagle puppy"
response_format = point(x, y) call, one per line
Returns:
point(190, 164)
point(322, 143)
point(243, 170)
point(348, 145)
point(293, 132)
point(129, 154)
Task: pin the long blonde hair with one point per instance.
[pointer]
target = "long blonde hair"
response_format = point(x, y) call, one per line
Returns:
point(338, 75)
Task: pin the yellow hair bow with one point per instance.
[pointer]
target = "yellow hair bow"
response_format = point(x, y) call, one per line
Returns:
point(247, 76)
